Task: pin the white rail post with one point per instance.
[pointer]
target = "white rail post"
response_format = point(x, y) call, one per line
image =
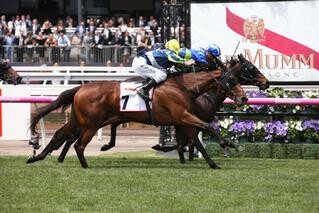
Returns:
point(99, 134)
point(42, 129)
point(200, 137)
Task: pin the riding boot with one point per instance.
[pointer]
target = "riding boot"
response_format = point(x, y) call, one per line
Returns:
point(144, 91)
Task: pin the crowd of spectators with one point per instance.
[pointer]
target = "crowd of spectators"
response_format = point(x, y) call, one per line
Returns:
point(23, 31)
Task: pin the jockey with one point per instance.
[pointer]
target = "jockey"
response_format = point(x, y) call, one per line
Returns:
point(202, 57)
point(153, 64)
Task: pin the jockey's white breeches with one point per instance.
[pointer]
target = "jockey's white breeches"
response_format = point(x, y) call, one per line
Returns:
point(145, 70)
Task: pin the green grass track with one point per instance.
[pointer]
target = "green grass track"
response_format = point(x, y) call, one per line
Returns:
point(143, 182)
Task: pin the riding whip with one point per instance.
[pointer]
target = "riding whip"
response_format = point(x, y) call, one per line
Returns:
point(236, 48)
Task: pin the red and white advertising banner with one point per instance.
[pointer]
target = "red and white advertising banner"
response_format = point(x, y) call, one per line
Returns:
point(14, 117)
point(280, 38)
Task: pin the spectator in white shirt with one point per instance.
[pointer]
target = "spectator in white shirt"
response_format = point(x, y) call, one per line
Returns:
point(65, 44)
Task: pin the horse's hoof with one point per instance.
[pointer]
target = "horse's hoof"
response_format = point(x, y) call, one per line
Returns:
point(31, 159)
point(105, 147)
point(60, 160)
point(84, 166)
point(216, 167)
point(157, 147)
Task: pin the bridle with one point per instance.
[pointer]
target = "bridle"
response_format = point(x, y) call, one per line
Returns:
point(227, 80)
point(250, 74)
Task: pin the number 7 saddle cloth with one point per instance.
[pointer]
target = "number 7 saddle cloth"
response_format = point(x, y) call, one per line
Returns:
point(130, 101)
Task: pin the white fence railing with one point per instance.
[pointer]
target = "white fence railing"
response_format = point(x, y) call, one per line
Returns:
point(55, 74)
point(62, 76)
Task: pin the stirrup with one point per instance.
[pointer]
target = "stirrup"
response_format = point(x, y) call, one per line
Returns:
point(142, 94)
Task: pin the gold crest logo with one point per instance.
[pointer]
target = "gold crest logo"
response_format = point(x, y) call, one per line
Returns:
point(254, 29)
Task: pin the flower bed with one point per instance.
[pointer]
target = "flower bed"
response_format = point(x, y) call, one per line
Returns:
point(275, 129)
point(290, 131)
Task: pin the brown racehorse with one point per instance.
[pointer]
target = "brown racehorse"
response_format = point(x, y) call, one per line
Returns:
point(97, 104)
point(8, 74)
point(205, 107)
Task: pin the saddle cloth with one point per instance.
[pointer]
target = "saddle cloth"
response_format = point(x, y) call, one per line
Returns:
point(130, 101)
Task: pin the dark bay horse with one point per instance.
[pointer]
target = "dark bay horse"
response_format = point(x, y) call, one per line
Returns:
point(207, 104)
point(8, 74)
point(97, 104)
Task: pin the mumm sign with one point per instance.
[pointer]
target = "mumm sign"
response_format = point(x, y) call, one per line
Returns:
point(279, 61)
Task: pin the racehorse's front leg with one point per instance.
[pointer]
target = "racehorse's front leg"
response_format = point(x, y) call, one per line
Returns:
point(201, 149)
point(192, 121)
point(111, 144)
point(85, 137)
point(192, 134)
point(68, 144)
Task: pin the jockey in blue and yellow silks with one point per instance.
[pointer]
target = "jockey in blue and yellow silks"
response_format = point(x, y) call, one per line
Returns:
point(153, 65)
point(202, 56)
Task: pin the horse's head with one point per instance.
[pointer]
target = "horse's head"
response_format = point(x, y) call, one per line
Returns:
point(251, 75)
point(229, 82)
point(8, 74)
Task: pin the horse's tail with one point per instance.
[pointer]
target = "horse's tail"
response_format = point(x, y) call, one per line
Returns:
point(64, 100)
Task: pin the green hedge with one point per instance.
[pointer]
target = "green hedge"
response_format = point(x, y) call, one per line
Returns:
point(269, 150)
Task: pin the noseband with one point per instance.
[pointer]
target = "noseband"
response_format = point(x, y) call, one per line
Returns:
point(250, 74)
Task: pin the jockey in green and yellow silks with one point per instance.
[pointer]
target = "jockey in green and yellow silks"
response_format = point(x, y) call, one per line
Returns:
point(153, 65)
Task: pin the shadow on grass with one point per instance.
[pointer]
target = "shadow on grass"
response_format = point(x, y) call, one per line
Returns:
point(140, 161)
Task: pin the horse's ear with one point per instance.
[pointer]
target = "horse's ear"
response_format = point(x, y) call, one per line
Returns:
point(241, 57)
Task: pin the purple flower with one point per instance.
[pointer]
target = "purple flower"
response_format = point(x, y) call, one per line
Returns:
point(215, 126)
point(244, 127)
point(253, 94)
point(275, 129)
point(311, 124)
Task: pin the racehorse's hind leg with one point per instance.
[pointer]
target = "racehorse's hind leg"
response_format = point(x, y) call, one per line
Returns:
point(79, 146)
point(180, 145)
point(191, 151)
point(111, 144)
point(68, 144)
point(59, 137)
